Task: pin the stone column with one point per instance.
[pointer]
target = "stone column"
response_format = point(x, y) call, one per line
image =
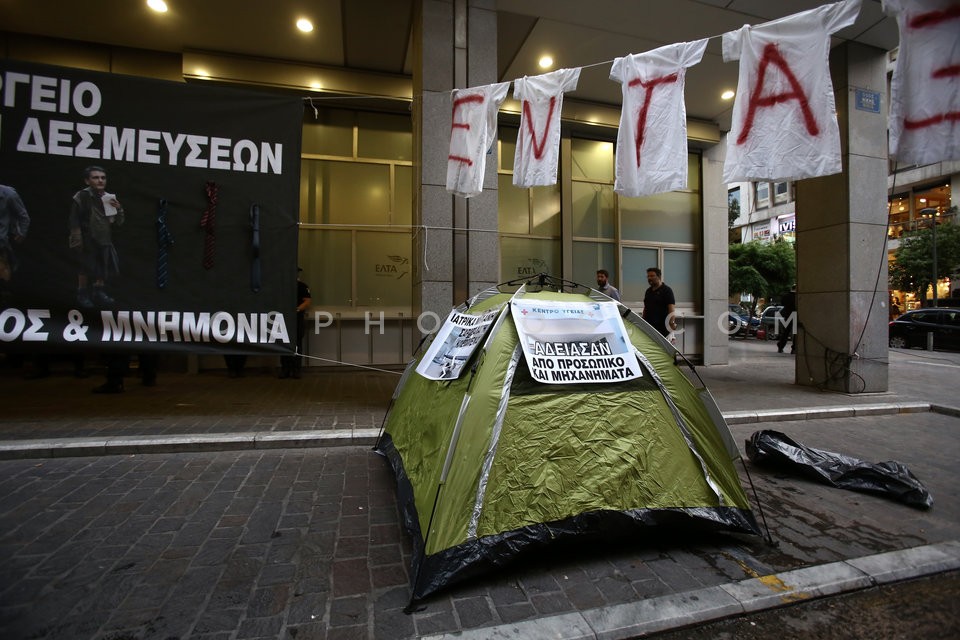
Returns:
point(456, 248)
point(716, 254)
point(841, 239)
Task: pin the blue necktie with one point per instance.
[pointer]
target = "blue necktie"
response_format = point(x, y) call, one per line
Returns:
point(255, 265)
point(164, 242)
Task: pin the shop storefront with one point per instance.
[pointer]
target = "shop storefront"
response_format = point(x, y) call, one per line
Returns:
point(911, 210)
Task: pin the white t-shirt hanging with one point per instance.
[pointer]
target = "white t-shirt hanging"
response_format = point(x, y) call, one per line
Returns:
point(652, 139)
point(538, 142)
point(472, 130)
point(784, 118)
point(925, 90)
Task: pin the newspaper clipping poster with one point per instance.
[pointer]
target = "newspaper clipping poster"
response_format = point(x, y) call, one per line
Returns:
point(574, 342)
point(454, 343)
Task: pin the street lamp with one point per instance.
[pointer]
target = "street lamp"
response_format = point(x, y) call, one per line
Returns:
point(933, 217)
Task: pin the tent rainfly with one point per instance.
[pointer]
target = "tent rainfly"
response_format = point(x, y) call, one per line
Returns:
point(542, 415)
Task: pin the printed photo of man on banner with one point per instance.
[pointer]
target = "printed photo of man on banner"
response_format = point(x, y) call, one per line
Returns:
point(150, 203)
point(574, 342)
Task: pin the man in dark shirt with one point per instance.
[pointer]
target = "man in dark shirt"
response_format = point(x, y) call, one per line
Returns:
point(659, 303)
point(787, 321)
point(290, 365)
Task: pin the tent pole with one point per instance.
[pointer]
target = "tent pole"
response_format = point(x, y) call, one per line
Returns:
point(756, 497)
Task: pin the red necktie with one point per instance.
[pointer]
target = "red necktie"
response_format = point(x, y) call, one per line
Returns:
point(208, 224)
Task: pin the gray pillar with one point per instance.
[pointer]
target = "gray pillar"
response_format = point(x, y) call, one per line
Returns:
point(456, 250)
point(716, 255)
point(841, 240)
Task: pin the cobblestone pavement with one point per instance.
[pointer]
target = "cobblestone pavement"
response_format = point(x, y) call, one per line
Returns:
point(308, 543)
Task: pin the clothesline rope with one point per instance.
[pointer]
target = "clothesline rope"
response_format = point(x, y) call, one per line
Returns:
point(310, 99)
point(321, 225)
point(584, 66)
point(349, 364)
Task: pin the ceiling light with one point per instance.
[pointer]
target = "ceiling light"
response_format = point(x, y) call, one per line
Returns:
point(202, 73)
point(157, 5)
point(727, 95)
point(304, 25)
point(316, 85)
point(546, 62)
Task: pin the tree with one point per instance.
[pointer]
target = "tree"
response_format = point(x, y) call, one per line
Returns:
point(913, 266)
point(733, 211)
point(762, 269)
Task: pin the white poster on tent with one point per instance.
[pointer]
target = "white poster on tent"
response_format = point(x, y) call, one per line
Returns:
point(454, 343)
point(573, 342)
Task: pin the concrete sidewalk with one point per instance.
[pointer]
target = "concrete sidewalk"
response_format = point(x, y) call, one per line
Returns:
point(242, 522)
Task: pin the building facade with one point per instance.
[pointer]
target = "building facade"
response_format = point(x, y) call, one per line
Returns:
point(388, 252)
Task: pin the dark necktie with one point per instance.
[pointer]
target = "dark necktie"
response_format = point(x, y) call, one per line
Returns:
point(164, 242)
point(255, 265)
point(208, 224)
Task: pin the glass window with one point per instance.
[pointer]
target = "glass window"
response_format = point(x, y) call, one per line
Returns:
point(665, 217)
point(899, 208)
point(323, 254)
point(592, 160)
point(384, 136)
point(329, 134)
point(403, 195)
point(781, 191)
point(546, 210)
point(636, 261)
point(522, 257)
point(383, 269)
point(593, 209)
point(590, 256)
point(763, 194)
point(508, 148)
point(513, 209)
point(733, 206)
point(352, 192)
point(681, 273)
point(693, 172)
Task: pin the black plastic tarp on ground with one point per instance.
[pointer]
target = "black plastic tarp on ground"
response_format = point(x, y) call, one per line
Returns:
point(891, 478)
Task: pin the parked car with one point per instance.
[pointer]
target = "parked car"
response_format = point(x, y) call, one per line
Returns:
point(768, 320)
point(744, 314)
point(737, 327)
point(911, 329)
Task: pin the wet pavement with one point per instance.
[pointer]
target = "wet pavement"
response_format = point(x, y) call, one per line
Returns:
point(211, 507)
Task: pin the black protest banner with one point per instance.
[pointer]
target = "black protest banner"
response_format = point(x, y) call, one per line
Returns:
point(162, 216)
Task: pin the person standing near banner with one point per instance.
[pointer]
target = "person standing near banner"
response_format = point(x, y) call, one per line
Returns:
point(659, 303)
point(14, 223)
point(93, 215)
point(787, 321)
point(290, 365)
point(604, 287)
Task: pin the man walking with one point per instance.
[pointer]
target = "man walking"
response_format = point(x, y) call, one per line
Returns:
point(604, 287)
point(787, 321)
point(659, 303)
point(290, 365)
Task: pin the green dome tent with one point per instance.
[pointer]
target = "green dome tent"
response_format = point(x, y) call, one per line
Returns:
point(508, 453)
